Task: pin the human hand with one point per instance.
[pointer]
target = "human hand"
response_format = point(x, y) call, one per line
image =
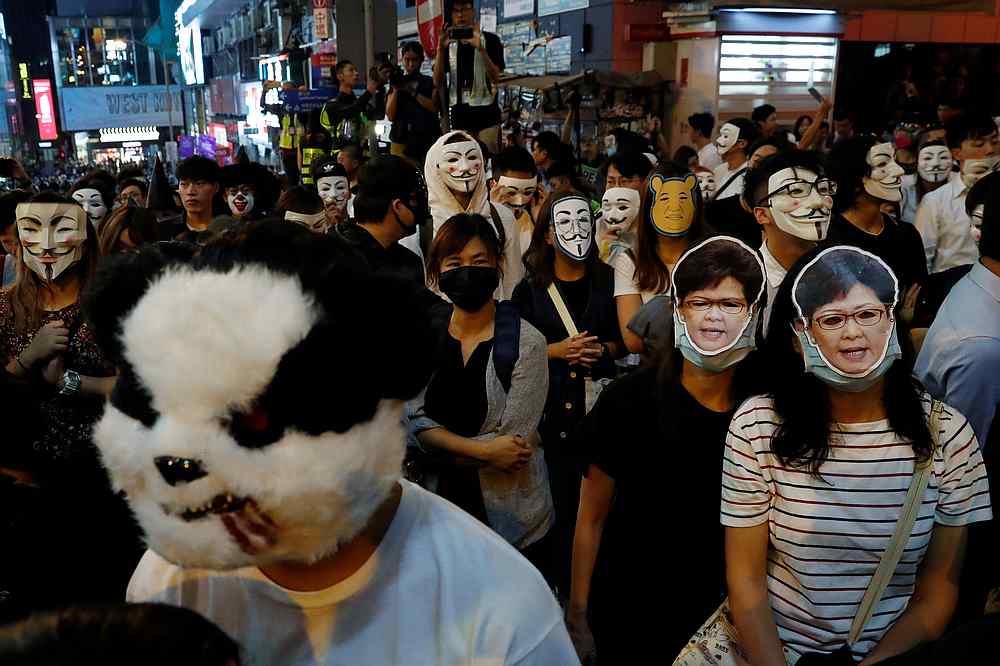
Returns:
point(498, 193)
point(476, 40)
point(50, 339)
point(508, 452)
point(443, 39)
point(584, 350)
point(580, 634)
point(54, 370)
point(910, 303)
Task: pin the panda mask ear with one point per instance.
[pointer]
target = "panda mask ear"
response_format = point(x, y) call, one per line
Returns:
point(120, 282)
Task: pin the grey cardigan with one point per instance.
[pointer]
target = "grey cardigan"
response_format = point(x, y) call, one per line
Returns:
point(518, 505)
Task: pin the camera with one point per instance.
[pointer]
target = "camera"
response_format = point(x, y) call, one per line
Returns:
point(396, 77)
point(460, 33)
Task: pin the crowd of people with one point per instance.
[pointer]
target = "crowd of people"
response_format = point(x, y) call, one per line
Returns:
point(482, 409)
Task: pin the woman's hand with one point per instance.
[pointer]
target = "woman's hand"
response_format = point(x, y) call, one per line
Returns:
point(910, 303)
point(48, 341)
point(508, 453)
point(574, 347)
point(580, 634)
point(54, 370)
point(443, 39)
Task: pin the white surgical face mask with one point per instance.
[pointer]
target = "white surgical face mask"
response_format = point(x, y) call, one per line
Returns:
point(886, 179)
point(976, 229)
point(240, 201)
point(706, 181)
point(934, 163)
point(92, 202)
point(729, 134)
point(461, 165)
point(334, 190)
point(316, 222)
point(52, 237)
point(573, 227)
point(973, 170)
point(620, 208)
point(517, 192)
point(807, 217)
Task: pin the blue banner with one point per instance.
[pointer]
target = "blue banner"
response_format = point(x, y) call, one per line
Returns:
point(297, 102)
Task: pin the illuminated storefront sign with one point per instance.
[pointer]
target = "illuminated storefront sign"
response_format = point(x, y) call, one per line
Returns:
point(45, 110)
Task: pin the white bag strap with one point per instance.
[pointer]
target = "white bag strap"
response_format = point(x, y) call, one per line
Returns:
point(894, 551)
point(567, 318)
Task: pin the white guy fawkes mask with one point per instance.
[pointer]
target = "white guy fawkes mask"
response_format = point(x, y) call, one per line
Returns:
point(316, 222)
point(335, 190)
point(706, 181)
point(240, 200)
point(729, 134)
point(885, 181)
point(461, 165)
point(52, 236)
point(800, 203)
point(973, 170)
point(573, 227)
point(92, 202)
point(517, 192)
point(934, 163)
point(976, 229)
point(620, 208)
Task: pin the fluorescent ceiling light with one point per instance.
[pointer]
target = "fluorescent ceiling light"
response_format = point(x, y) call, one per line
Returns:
point(781, 10)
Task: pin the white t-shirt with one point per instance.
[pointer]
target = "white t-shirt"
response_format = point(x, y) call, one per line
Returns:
point(708, 156)
point(726, 187)
point(513, 267)
point(625, 283)
point(827, 536)
point(440, 589)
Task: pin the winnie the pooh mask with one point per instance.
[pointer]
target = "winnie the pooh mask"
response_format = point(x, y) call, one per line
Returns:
point(673, 204)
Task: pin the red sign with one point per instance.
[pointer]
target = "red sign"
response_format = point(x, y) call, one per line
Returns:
point(430, 22)
point(647, 32)
point(45, 110)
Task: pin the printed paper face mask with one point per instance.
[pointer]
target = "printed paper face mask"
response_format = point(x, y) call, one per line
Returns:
point(976, 228)
point(800, 202)
point(674, 204)
point(92, 202)
point(885, 181)
point(517, 192)
point(334, 191)
point(934, 163)
point(573, 227)
point(973, 170)
point(240, 200)
point(729, 134)
point(316, 222)
point(844, 301)
point(52, 236)
point(460, 165)
point(619, 208)
point(714, 325)
point(706, 181)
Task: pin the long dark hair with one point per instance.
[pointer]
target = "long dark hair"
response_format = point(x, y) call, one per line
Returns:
point(540, 259)
point(651, 274)
point(802, 401)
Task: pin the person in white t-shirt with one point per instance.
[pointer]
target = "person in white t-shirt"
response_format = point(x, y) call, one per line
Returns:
point(275, 509)
point(816, 475)
point(734, 141)
point(700, 132)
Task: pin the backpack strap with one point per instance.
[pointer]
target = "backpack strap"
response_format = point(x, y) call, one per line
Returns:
point(498, 225)
point(506, 342)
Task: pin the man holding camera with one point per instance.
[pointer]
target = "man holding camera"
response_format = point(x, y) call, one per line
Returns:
point(345, 116)
point(479, 63)
point(412, 107)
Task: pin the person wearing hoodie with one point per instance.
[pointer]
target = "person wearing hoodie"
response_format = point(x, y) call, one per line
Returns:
point(455, 172)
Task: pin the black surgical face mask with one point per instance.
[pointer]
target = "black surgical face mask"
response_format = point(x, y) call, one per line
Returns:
point(470, 287)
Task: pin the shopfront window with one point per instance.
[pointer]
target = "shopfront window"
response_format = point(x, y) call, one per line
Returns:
point(73, 67)
point(112, 58)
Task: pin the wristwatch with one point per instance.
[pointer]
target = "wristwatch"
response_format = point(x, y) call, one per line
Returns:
point(70, 383)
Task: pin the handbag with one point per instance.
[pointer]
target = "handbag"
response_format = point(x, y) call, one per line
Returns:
point(716, 643)
point(592, 387)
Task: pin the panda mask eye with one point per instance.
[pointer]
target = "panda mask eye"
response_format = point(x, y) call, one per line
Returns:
point(255, 428)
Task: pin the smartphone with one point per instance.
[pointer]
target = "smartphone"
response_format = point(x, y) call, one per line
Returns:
point(460, 33)
point(815, 94)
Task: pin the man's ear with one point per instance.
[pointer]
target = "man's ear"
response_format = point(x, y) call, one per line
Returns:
point(763, 216)
point(741, 144)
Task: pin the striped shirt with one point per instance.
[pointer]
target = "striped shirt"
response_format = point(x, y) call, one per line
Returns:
point(827, 535)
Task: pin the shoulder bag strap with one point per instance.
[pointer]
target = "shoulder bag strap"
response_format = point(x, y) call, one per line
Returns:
point(498, 223)
point(564, 315)
point(894, 551)
point(729, 181)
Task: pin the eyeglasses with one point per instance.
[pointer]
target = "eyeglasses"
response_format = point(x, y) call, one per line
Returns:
point(800, 189)
point(728, 306)
point(834, 320)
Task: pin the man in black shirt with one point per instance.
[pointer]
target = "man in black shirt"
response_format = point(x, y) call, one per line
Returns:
point(344, 115)
point(412, 107)
point(481, 49)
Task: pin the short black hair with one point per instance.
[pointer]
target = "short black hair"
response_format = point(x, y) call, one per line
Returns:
point(756, 179)
point(300, 199)
point(354, 151)
point(703, 122)
point(779, 141)
point(629, 163)
point(381, 180)
point(762, 112)
point(987, 192)
point(199, 168)
point(550, 143)
point(748, 131)
point(848, 162)
point(341, 64)
point(413, 47)
point(970, 126)
point(8, 206)
point(513, 158)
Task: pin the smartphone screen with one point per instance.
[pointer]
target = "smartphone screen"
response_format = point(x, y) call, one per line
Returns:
point(461, 33)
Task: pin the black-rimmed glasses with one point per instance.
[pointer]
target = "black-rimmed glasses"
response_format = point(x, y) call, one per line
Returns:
point(801, 189)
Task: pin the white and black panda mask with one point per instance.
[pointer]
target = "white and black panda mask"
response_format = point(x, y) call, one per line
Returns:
point(242, 427)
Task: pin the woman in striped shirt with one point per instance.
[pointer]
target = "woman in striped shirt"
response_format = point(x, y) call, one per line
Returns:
point(816, 474)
